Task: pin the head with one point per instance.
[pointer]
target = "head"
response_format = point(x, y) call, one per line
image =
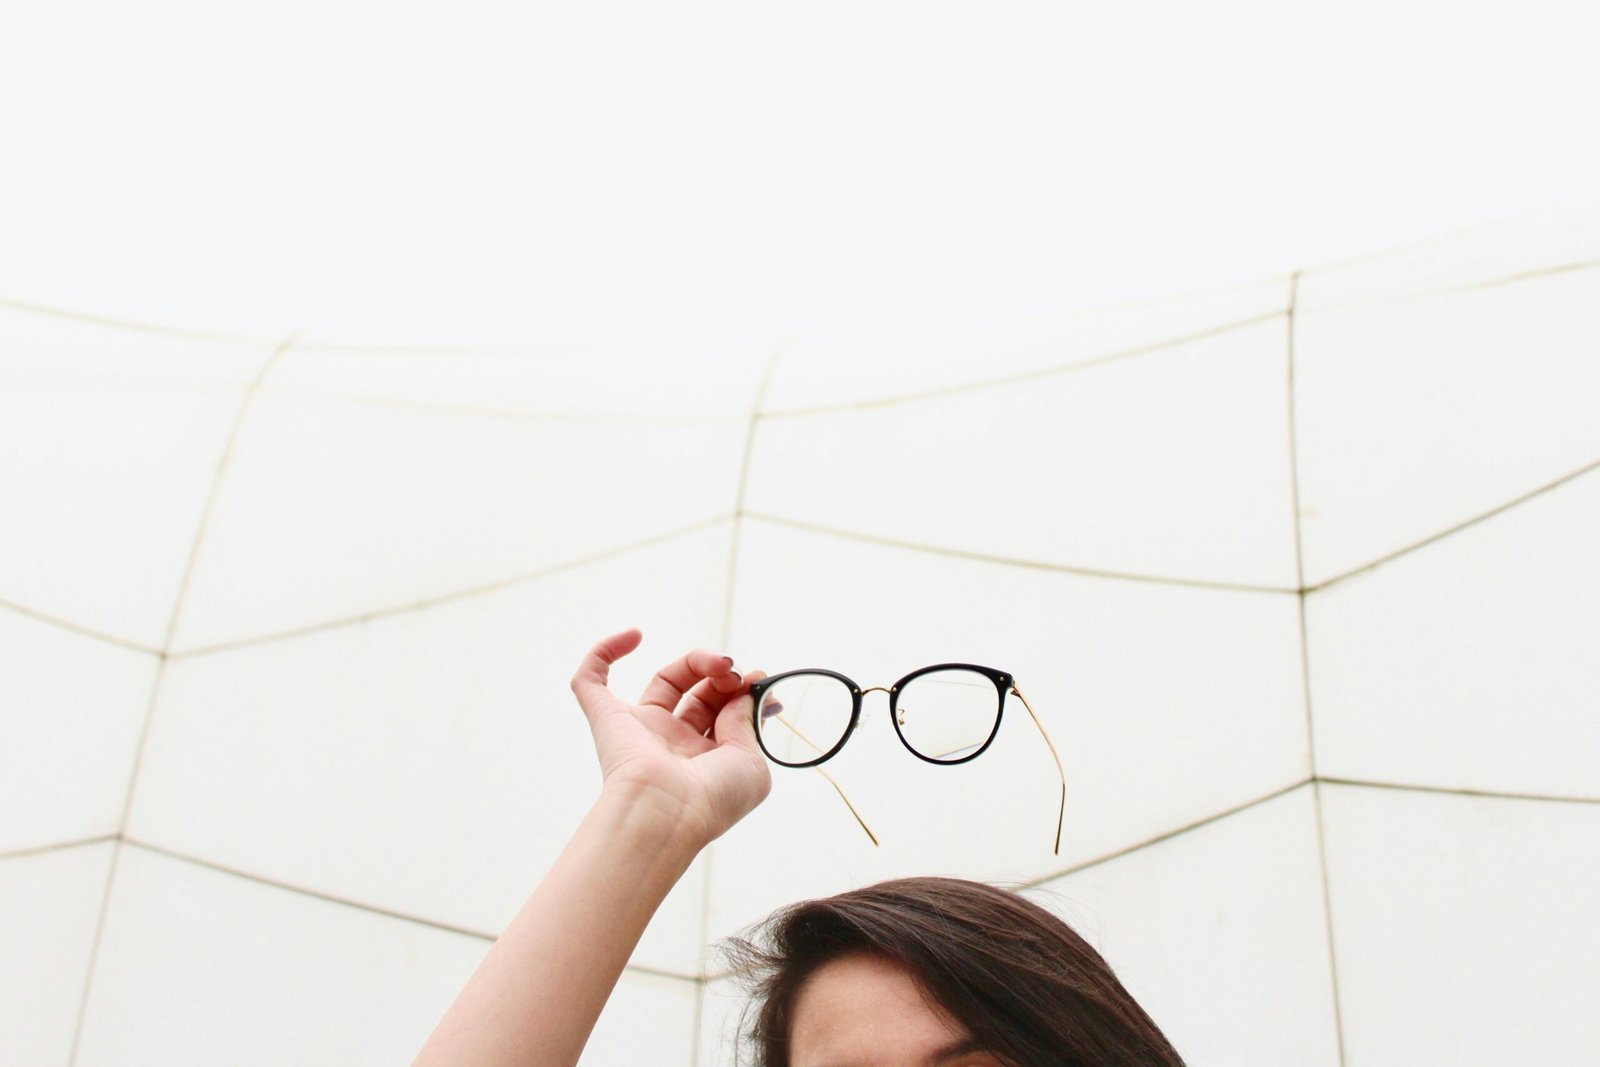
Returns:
point(938, 972)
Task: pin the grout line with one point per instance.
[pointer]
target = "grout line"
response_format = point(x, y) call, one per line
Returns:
point(1460, 526)
point(479, 411)
point(129, 324)
point(1327, 916)
point(119, 381)
point(273, 883)
point(188, 574)
point(1299, 538)
point(161, 669)
point(138, 752)
point(1140, 846)
point(563, 346)
point(1532, 275)
point(1443, 790)
point(709, 853)
point(59, 846)
point(216, 486)
point(657, 972)
point(1305, 688)
point(82, 631)
point(489, 348)
point(981, 557)
point(1239, 809)
point(370, 909)
point(1305, 677)
point(94, 955)
point(1026, 376)
point(1294, 454)
point(1420, 295)
point(744, 483)
point(460, 594)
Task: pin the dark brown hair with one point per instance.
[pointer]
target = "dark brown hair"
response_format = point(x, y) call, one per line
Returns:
point(1019, 979)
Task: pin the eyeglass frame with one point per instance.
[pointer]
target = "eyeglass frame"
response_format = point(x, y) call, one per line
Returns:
point(1002, 680)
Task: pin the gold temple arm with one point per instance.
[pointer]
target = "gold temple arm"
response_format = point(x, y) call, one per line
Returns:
point(829, 778)
point(1062, 813)
point(852, 807)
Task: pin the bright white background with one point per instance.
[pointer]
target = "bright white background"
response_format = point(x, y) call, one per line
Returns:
point(1299, 570)
point(568, 171)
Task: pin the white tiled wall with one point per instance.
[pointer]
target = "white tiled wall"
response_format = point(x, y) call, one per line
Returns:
point(1166, 703)
point(1220, 934)
point(71, 711)
point(365, 706)
point(1470, 664)
point(196, 966)
point(331, 506)
point(429, 762)
point(1464, 927)
point(51, 906)
point(1116, 467)
point(1417, 415)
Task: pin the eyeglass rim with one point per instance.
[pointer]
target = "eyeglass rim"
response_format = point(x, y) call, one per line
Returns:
point(1002, 680)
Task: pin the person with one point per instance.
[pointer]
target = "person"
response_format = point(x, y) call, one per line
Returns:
point(923, 972)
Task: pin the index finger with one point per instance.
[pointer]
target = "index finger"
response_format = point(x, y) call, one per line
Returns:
point(591, 682)
point(671, 682)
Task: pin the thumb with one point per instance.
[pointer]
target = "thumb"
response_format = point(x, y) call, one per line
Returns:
point(735, 723)
point(592, 681)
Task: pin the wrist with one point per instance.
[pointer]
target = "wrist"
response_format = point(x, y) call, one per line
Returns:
point(654, 818)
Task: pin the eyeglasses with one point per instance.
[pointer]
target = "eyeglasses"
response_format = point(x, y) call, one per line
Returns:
point(948, 713)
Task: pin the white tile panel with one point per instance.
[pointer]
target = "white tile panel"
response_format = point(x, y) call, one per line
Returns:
point(1464, 927)
point(200, 967)
point(1415, 416)
point(826, 371)
point(662, 382)
point(1172, 464)
point(1469, 663)
point(1220, 934)
point(71, 711)
point(648, 1020)
point(1550, 239)
point(332, 508)
point(434, 762)
point(64, 349)
point(104, 489)
point(51, 903)
point(722, 1004)
point(1167, 705)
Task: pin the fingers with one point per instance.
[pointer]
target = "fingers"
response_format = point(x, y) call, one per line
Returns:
point(594, 673)
point(734, 724)
point(677, 678)
point(700, 704)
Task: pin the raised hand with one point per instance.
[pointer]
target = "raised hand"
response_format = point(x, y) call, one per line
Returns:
point(687, 750)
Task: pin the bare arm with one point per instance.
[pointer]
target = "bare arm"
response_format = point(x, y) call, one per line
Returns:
point(670, 788)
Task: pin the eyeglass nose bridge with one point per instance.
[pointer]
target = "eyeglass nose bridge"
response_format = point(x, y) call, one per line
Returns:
point(871, 689)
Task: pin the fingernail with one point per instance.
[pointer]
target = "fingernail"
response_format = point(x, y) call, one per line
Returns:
point(738, 677)
point(727, 661)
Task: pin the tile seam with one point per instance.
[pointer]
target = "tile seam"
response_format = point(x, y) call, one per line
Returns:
point(1466, 524)
point(455, 595)
point(980, 557)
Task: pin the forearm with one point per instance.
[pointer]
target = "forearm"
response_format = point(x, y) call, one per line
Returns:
point(534, 999)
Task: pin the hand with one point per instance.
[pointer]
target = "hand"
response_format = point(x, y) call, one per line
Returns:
point(687, 749)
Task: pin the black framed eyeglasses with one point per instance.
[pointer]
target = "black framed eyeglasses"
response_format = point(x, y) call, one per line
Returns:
point(947, 713)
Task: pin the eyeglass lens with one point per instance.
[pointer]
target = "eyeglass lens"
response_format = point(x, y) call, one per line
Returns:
point(946, 716)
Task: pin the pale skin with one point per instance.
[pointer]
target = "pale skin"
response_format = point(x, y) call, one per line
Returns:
point(679, 768)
